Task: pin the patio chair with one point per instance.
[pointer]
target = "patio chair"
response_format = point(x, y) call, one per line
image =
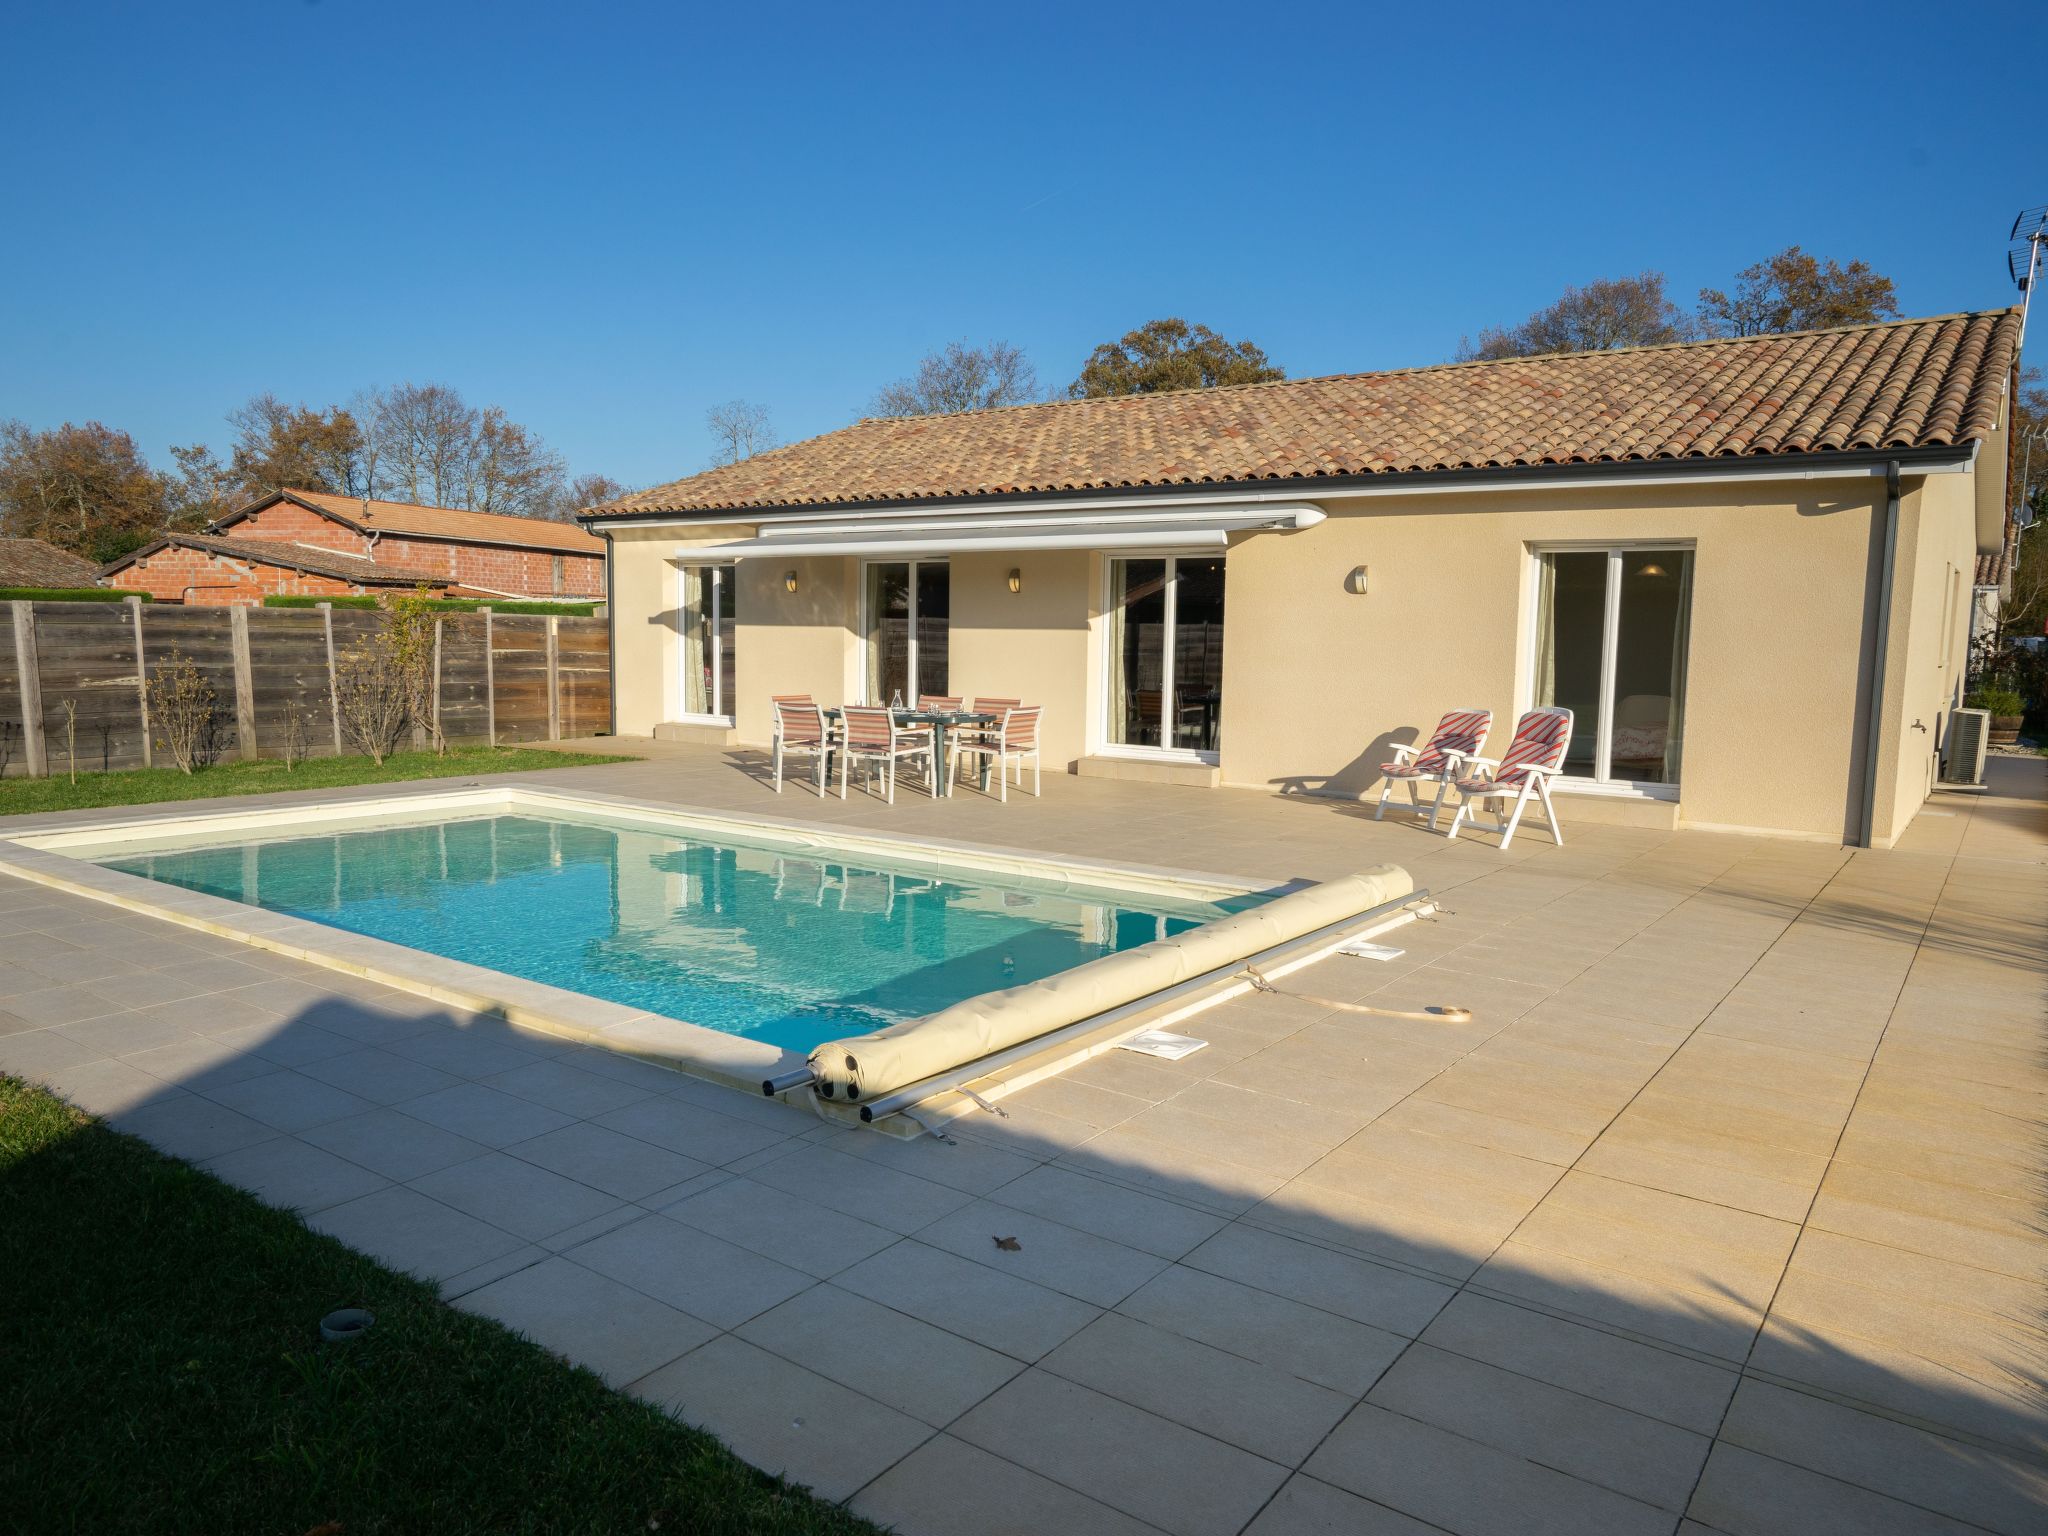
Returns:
point(1533, 758)
point(872, 735)
point(939, 703)
point(799, 730)
point(1015, 739)
point(1457, 736)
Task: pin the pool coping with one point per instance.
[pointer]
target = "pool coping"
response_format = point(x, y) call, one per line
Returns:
point(731, 1060)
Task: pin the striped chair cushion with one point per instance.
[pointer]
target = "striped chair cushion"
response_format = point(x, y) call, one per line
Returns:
point(867, 729)
point(1541, 737)
point(799, 724)
point(1462, 730)
point(939, 703)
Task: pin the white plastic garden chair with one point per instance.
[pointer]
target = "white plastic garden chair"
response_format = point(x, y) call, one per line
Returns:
point(1533, 758)
point(873, 736)
point(1010, 741)
point(799, 730)
point(1457, 736)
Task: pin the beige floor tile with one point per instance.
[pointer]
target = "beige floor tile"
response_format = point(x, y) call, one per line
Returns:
point(1645, 1458)
point(698, 1133)
point(1963, 1482)
point(1406, 1230)
point(999, 1311)
point(1533, 1143)
point(1048, 1253)
point(947, 1486)
point(606, 1160)
point(1697, 1180)
point(1288, 1336)
point(1172, 1171)
point(393, 1144)
point(965, 1164)
point(1467, 1487)
point(2002, 1245)
point(594, 1321)
point(409, 1231)
point(1659, 1383)
point(1255, 1407)
point(290, 1174)
point(783, 1418)
point(1710, 1321)
point(1148, 1467)
point(1165, 1228)
point(1661, 1212)
point(523, 1199)
point(781, 1226)
point(860, 1187)
point(1379, 1295)
point(1751, 1495)
point(1306, 1507)
point(691, 1270)
point(911, 1366)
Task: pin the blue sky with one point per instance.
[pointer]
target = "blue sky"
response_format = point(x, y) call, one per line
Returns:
point(608, 217)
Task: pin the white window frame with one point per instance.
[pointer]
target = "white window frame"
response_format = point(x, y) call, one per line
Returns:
point(725, 574)
point(1111, 600)
point(1610, 633)
point(866, 618)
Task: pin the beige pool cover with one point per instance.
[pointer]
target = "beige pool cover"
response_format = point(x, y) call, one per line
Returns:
point(866, 1067)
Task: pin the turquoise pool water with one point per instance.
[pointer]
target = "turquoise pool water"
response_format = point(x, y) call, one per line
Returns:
point(790, 948)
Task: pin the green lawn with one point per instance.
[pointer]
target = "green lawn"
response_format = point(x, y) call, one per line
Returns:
point(139, 786)
point(161, 1370)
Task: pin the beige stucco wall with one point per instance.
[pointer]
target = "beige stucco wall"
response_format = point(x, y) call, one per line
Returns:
point(1318, 682)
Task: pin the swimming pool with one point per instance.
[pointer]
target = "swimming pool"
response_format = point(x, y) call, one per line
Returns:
point(789, 946)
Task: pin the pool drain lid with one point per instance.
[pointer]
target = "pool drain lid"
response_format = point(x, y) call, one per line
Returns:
point(345, 1326)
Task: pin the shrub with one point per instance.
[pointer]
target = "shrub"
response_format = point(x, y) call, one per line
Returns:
point(69, 595)
point(2000, 701)
point(373, 694)
point(183, 710)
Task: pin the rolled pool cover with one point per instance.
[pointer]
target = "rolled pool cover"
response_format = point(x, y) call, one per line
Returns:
point(866, 1067)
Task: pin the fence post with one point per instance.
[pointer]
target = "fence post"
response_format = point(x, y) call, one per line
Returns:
point(554, 678)
point(490, 681)
point(438, 739)
point(28, 666)
point(141, 675)
point(245, 686)
point(333, 693)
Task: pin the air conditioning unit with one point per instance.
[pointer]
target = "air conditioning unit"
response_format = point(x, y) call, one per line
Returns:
point(1962, 756)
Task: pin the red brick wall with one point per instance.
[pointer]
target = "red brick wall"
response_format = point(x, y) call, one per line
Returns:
point(289, 522)
point(202, 579)
point(528, 572)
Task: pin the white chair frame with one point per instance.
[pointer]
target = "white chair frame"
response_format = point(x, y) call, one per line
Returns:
point(1535, 786)
point(914, 743)
point(996, 745)
point(781, 746)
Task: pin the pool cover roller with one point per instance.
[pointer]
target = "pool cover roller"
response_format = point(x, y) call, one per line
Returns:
point(866, 1067)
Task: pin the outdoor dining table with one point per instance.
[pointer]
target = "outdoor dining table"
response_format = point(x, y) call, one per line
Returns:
point(941, 721)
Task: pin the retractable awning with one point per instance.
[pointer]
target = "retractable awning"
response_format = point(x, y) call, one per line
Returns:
point(1193, 529)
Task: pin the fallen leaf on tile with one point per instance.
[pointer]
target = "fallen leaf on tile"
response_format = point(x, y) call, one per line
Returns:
point(1009, 1244)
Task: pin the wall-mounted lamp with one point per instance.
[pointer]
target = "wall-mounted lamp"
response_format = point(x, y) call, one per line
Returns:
point(1653, 569)
point(1016, 581)
point(789, 581)
point(1354, 581)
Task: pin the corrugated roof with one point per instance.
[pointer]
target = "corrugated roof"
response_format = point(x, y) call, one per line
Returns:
point(1905, 384)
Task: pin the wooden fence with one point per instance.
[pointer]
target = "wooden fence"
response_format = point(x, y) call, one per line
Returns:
point(499, 678)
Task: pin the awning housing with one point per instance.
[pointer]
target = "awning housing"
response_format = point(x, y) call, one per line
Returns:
point(1191, 529)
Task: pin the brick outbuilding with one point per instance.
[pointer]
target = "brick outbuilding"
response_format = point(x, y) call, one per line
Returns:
point(204, 571)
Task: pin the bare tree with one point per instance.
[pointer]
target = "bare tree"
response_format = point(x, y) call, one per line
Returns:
point(297, 725)
point(584, 491)
point(961, 378)
point(279, 445)
point(429, 445)
point(738, 431)
point(1793, 291)
point(183, 708)
point(1607, 312)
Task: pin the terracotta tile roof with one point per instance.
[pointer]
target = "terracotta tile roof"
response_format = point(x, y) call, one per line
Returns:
point(299, 557)
point(33, 563)
point(1991, 569)
point(1906, 384)
point(444, 523)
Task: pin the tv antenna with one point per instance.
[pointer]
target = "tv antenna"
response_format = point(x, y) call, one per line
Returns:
point(2024, 257)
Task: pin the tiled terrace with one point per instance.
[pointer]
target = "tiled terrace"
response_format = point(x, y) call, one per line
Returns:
point(1723, 1214)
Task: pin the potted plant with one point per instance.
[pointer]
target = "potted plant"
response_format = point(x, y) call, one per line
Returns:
point(2007, 709)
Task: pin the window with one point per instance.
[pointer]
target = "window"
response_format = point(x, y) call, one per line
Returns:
point(1611, 639)
point(1166, 654)
point(908, 611)
point(710, 609)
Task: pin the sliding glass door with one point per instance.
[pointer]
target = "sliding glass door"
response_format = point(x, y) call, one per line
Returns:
point(710, 624)
point(1612, 630)
point(1166, 654)
point(907, 613)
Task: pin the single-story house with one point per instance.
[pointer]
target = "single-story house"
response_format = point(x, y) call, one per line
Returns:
point(1745, 564)
point(490, 552)
point(37, 563)
point(202, 570)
